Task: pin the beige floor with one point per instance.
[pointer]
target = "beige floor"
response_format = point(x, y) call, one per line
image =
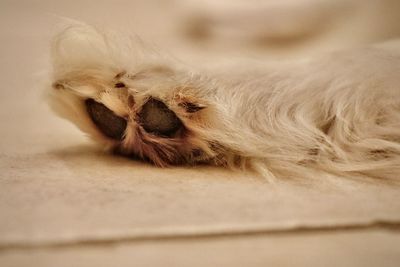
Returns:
point(64, 203)
point(354, 248)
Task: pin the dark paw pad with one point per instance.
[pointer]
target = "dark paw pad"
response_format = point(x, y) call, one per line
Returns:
point(156, 118)
point(105, 119)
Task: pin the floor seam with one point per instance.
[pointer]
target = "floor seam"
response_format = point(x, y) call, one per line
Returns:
point(228, 233)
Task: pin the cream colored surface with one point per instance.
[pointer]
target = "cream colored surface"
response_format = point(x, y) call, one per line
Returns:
point(61, 199)
point(372, 248)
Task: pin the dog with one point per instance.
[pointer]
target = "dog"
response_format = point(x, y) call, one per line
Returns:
point(337, 113)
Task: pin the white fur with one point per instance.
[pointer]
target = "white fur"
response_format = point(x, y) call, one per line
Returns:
point(338, 113)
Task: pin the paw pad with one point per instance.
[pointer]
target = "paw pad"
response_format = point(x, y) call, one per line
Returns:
point(105, 119)
point(156, 118)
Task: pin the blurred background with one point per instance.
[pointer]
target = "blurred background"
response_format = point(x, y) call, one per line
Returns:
point(284, 28)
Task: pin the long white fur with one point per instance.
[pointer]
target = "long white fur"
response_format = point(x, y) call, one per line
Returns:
point(338, 113)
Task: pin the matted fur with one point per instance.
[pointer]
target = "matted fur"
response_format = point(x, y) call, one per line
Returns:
point(338, 113)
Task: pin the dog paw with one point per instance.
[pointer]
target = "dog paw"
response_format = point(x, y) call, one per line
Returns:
point(150, 114)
